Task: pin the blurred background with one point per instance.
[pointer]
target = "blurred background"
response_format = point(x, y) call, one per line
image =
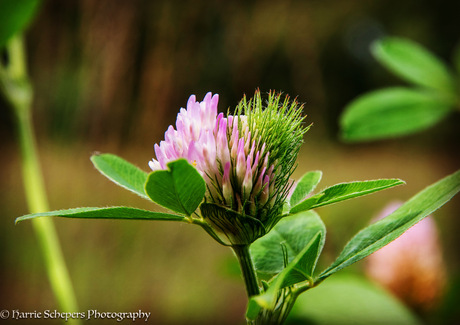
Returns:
point(110, 76)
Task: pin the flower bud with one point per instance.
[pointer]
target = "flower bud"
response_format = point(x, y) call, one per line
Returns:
point(246, 160)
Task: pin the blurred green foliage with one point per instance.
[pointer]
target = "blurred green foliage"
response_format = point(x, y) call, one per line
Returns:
point(397, 111)
point(14, 16)
point(350, 299)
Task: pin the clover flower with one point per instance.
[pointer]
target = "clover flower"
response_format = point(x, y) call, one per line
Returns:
point(412, 266)
point(246, 159)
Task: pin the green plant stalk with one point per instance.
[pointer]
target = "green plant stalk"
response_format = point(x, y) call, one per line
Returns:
point(247, 269)
point(19, 94)
point(44, 227)
point(277, 316)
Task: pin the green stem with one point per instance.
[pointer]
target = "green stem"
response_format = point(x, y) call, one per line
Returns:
point(208, 229)
point(248, 270)
point(15, 86)
point(44, 227)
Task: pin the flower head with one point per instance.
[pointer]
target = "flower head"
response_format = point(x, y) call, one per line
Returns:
point(246, 159)
point(194, 128)
point(411, 266)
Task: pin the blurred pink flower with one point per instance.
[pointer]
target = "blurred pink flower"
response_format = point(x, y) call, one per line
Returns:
point(411, 266)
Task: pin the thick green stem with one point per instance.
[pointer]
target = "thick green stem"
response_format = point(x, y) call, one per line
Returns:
point(15, 86)
point(248, 270)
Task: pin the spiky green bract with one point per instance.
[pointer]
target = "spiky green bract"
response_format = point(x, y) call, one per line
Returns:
point(278, 123)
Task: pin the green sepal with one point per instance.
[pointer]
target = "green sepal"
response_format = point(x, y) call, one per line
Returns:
point(234, 228)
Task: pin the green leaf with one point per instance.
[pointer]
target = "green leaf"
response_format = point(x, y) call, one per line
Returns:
point(392, 112)
point(180, 188)
point(413, 63)
point(121, 172)
point(299, 270)
point(305, 185)
point(347, 299)
point(302, 267)
point(14, 16)
point(295, 232)
point(106, 213)
point(345, 191)
point(377, 235)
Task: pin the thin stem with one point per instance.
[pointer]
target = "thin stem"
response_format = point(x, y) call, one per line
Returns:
point(17, 91)
point(248, 270)
point(209, 230)
point(44, 227)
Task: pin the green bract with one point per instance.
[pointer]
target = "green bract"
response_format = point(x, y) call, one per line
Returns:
point(256, 160)
point(278, 124)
